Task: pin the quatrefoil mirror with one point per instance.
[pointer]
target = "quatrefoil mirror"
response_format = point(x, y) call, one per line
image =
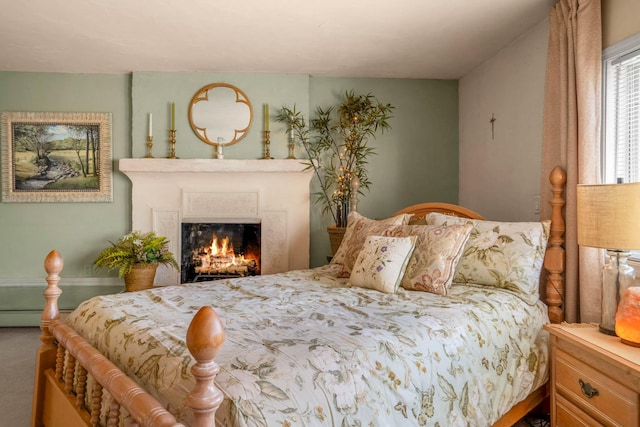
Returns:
point(220, 114)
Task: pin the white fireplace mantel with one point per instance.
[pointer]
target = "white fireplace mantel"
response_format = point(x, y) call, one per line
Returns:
point(276, 166)
point(276, 192)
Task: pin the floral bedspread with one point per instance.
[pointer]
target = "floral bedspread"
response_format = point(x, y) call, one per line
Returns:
point(305, 349)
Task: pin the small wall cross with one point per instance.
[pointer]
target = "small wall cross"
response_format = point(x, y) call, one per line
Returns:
point(492, 121)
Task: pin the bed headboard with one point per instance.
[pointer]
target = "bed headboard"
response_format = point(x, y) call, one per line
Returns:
point(552, 280)
point(421, 210)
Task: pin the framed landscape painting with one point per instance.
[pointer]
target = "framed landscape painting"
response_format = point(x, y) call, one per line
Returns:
point(56, 157)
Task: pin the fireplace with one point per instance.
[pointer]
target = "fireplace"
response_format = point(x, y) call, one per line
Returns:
point(212, 251)
point(166, 193)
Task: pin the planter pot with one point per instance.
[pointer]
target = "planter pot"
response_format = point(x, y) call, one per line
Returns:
point(335, 237)
point(140, 277)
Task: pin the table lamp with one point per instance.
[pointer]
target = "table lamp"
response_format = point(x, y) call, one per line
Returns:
point(609, 218)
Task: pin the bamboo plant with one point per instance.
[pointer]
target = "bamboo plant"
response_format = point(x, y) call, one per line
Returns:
point(337, 146)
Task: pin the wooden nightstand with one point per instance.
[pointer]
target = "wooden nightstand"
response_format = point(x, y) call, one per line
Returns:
point(595, 379)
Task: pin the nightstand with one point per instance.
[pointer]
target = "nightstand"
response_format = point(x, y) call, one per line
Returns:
point(595, 379)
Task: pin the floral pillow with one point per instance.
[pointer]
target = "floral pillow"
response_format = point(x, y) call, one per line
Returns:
point(358, 229)
point(438, 249)
point(507, 255)
point(382, 262)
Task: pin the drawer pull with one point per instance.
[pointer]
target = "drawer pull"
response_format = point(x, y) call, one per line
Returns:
point(587, 390)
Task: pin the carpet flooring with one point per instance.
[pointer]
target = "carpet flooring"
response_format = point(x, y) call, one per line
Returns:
point(534, 421)
point(18, 354)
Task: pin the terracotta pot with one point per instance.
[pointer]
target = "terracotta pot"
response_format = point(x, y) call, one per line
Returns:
point(140, 277)
point(335, 237)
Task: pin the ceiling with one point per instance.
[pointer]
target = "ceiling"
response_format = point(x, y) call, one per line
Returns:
point(443, 39)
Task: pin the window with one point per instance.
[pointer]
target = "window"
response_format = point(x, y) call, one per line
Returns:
point(621, 111)
point(621, 116)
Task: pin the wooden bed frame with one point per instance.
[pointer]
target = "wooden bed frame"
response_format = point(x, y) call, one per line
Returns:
point(61, 382)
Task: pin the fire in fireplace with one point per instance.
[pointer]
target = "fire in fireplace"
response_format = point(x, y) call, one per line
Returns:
point(212, 251)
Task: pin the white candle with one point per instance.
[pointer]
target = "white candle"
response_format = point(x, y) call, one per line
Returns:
point(220, 142)
point(150, 124)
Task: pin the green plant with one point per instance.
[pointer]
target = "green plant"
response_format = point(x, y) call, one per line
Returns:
point(136, 248)
point(337, 146)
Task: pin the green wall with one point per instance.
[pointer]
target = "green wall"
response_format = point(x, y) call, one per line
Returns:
point(417, 161)
point(28, 231)
point(154, 92)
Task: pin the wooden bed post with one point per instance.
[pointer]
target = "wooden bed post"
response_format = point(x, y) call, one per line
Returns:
point(205, 337)
point(555, 257)
point(46, 355)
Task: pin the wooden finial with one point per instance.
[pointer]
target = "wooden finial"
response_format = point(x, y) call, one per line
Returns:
point(53, 263)
point(205, 337)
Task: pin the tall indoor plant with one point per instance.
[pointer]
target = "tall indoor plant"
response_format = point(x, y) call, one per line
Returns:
point(337, 146)
point(136, 256)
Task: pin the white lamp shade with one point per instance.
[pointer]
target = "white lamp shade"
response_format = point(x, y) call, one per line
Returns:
point(609, 216)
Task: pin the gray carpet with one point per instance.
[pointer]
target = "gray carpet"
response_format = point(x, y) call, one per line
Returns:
point(18, 354)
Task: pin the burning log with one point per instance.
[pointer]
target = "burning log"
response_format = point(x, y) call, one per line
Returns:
point(219, 259)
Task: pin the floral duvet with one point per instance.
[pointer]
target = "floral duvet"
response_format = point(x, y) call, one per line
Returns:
point(304, 348)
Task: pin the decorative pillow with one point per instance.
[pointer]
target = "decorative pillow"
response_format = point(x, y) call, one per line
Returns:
point(382, 262)
point(438, 249)
point(358, 229)
point(507, 255)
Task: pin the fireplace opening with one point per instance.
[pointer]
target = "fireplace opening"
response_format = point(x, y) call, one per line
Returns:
point(212, 251)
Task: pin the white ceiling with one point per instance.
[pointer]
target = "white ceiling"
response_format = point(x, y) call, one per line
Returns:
point(361, 38)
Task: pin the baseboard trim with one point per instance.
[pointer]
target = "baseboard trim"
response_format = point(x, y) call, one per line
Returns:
point(65, 282)
point(14, 319)
point(22, 300)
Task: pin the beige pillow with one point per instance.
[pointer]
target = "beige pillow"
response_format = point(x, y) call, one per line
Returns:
point(382, 262)
point(437, 252)
point(507, 255)
point(358, 229)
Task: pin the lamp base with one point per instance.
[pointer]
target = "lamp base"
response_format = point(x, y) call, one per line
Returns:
point(607, 331)
point(631, 343)
point(617, 277)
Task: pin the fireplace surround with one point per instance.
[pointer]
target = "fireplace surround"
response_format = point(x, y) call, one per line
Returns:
point(275, 193)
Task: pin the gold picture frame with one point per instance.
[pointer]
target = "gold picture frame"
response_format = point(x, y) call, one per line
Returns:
point(56, 157)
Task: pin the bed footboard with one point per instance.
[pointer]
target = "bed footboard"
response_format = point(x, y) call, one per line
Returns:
point(63, 396)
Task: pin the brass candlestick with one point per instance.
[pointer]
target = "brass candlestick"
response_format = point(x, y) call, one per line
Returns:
point(149, 147)
point(267, 143)
point(172, 144)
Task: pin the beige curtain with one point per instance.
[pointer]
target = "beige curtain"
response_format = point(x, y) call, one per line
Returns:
point(571, 138)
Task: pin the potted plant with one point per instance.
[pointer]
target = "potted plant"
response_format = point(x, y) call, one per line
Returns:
point(337, 146)
point(137, 256)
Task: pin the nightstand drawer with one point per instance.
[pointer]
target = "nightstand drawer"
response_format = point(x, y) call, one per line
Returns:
point(610, 402)
point(569, 415)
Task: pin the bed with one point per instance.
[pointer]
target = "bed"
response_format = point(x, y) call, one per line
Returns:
point(344, 344)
